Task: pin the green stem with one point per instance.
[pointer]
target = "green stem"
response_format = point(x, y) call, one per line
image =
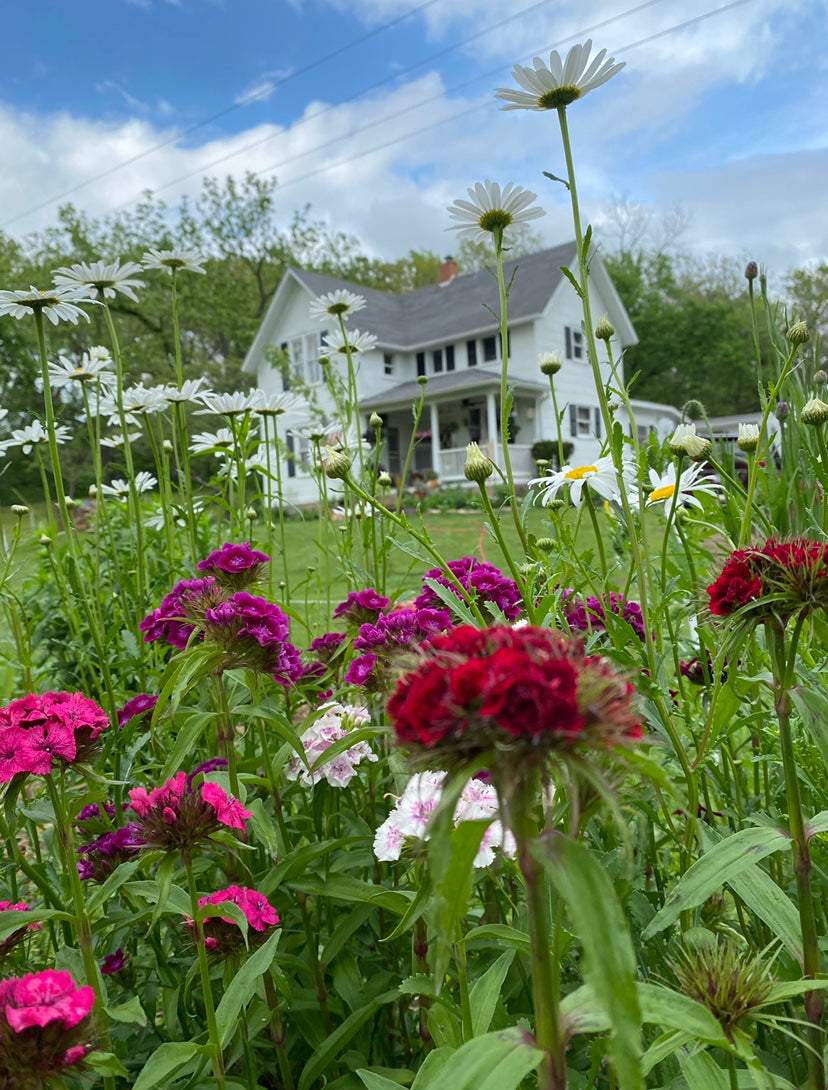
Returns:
point(528, 600)
point(216, 1058)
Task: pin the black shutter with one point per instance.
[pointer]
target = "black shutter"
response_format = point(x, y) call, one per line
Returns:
point(568, 335)
point(597, 416)
point(573, 421)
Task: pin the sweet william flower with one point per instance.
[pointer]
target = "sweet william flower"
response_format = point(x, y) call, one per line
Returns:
point(548, 86)
point(490, 210)
point(235, 566)
point(774, 581)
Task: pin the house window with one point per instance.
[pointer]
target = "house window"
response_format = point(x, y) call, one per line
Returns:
point(583, 421)
point(420, 364)
point(471, 350)
point(449, 357)
point(388, 363)
point(437, 360)
point(574, 343)
point(489, 349)
point(304, 357)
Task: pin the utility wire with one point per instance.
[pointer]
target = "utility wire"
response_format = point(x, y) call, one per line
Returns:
point(243, 101)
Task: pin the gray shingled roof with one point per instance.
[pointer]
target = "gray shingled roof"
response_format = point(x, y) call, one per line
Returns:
point(438, 385)
point(439, 312)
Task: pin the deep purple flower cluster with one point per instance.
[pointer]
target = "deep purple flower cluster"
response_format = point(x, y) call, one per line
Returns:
point(590, 616)
point(483, 581)
point(108, 851)
point(361, 607)
point(139, 705)
point(181, 611)
point(254, 633)
point(392, 638)
point(235, 566)
point(323, 648)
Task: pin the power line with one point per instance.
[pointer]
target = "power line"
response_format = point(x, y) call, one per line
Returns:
point(408, 109)
point(227, 110)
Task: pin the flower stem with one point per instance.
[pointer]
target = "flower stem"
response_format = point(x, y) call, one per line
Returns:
point(216, 1058)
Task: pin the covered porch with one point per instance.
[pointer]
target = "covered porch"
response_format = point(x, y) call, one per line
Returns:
point(460, 408)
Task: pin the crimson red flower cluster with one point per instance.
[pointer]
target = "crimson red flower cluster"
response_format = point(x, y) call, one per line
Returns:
point(777, 579)
point(39, 729)
point(45, 1026)
point(521, 691)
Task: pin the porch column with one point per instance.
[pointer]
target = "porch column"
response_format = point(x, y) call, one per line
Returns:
point(435, 439)
point(491, 426)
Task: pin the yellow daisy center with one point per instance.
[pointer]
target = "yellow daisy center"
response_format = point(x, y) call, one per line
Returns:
point(663, 493)
point(579, 472)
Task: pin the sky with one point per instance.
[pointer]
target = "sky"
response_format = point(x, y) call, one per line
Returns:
point(380, 113)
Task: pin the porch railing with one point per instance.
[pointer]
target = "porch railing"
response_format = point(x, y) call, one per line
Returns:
point(453, 462)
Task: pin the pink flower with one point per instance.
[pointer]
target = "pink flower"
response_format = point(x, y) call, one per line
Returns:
point(50, 996)
point(12, 755)
point(42, 744)
point(329, 728)
point(229, 811)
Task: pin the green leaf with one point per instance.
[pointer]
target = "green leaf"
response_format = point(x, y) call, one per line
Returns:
point(812, 705)
point(186, 742)
point(15, 918)
point(609, 958)
point(373, 1081)
point(501, 933)
point(702, 1072)
point(664, 1007)
point(495, 1061)
point(105, 1063)
point(452, 601)
point(242, 987)
point(718, 865)
point(163, 1064)
point(101, 894)
point(333, 1044)
point(486, 992)
point(414, 910)
point(452, 862)
point(131, 1012)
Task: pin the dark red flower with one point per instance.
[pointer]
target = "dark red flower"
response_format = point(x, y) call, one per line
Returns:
point(777, 579)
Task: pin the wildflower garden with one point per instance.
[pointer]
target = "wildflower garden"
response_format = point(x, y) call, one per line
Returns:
point(557, 822)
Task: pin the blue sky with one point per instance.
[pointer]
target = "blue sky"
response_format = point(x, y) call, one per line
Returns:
point(381, 112)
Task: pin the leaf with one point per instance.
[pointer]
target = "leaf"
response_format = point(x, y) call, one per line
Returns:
point(131, 1012)
point(495, 1061)
point(105, 1063)
point(414, 910)
point(664, 1007)
point(501, 933)
point(451, 600)
point(163, 1064)
point(336, 1041)
point(101, 894)
point(812, 705)
point(452, 861)
point(486, 992)
point(373, 1081)
point(609, 958)
point(186, 743)
point(242, 987)
point(702, 1072)
point(717, 866)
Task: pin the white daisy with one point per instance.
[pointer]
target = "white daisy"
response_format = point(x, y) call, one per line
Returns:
point(32, 435)
point(190, 390)
point(491, 210)
point(336, 303)
point(319, 433)
point(691, 480)
point(173, 260)
point(236, 404)
point(106, 279)
point(356, 342)
point(279, 404)
point(209, 442)
point(117, 440)
point(56, 303)
point(602, 477)
point(143, 483)
point(67, 371)
point(546, 87)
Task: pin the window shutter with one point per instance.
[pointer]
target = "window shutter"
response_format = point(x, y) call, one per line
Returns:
point(573, 421)
point(597, 417)
point(291, 462)
point(568, 335)
point(285, 377)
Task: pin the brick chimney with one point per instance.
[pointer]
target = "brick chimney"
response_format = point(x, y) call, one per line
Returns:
point(448, 270)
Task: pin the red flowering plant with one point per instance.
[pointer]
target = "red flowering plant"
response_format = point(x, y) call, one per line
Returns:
point(45, 1028)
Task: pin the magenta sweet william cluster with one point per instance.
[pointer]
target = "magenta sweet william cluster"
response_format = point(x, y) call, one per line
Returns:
point(178, 815)
point(222, 935)
point(387, 643)
point(591, 615)
point(235, 566)
point(483, 581)
point(37, 730)
point(254, 633)
point(45, 1027)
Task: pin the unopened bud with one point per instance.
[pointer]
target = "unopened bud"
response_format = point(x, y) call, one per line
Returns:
point(685, 441)
point(337, 466)
point(782, 412)
point(748, 438)
point(543, 464)
point(820, 377)
point(751, 270)
point(167, 445)
point(478, 466)
point(375, 420)
point(814, 412)
point(70, 503)
point(324, 361)
point(93, 490)
point(550, 363)
point(423, 380)
point(546, 544)
point(384, 479)
point(605, 329)
point(19, 509)
point(798, 333)
point(45, 540)
point(251, 514)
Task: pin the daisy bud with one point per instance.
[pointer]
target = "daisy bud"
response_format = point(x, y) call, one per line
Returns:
point(324, 361)
point(375, 421)
point(798, 333)
point(93, 491)
point(820, 377)
point(546, 544)
point(478, 466)
point(685, 441)
point(550, 363)
point(19, 509)
point(384, 479)
point(45, 540)
point(748, 439)
point(70, 503)
point(167, 445)
point(783, 411)
point(251, 514)
point(605, 329)
point(543, 464)
point(337, 466)
point(423, 380)
point(814, 412)
point(751, 270)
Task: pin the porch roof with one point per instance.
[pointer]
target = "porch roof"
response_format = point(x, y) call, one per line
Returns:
point(445, 388)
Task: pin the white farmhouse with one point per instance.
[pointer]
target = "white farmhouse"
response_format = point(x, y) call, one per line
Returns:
point(449, 333)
